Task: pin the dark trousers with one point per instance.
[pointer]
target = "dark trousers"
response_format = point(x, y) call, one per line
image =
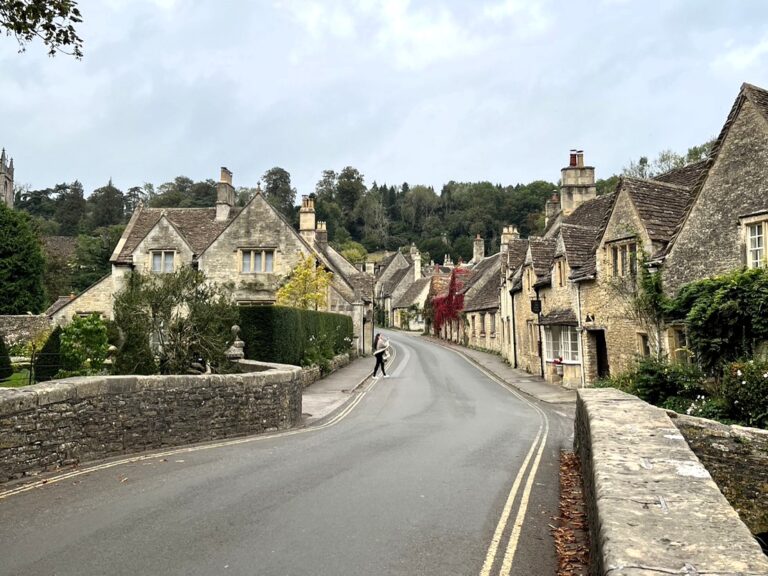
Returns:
point(379, 362)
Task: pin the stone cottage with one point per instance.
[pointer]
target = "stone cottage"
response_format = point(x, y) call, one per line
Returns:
point(253, 247)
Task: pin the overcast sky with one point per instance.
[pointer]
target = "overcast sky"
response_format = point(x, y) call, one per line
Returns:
point(419, 91)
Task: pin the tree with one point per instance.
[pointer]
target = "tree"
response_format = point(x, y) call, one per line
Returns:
point(133, 196)
point(47, 362)
point(53, 21)
point(350, 187)
point(70, 207)
point(278, 190)
point(185, 319)
point(353, 251)
point(106, 206)
point(6, 370)
point(21, 264)
point(92, 256)
point(325, 189)
point(306, 287)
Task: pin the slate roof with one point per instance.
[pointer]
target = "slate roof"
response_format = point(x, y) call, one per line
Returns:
point(518, 248)
point(58, 305)
point(477, 271)
point(579, 243)
point(60, 247)
point(413, 292)
point(542, 253)
point(660, 205)
point(389, 286)
point(342, 264)
point(594, 212)
point(687, 176)
point(198, 226)
point(486, 296)
point(362, 284)
point(561, 317)
point(385, 262)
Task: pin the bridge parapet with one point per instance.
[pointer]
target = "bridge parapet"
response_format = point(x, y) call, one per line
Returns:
point(653, 507)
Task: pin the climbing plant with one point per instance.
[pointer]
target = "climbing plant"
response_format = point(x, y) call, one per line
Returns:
point(448, 307)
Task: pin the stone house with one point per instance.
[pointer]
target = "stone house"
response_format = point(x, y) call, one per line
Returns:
point(6, 179)
point(725, 227)
point(482, 321)
point(253, 248)
point(394, 277)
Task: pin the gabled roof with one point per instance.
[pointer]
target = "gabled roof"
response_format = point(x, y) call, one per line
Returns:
point(412, 294)
point(579, 243)
point(759, 99)
point(58, 305)
point(391, 284)
point(197, 226)
point(661, 205)
point(518, 248)
point(542, 252)
point(593, 213)
point(478, 271)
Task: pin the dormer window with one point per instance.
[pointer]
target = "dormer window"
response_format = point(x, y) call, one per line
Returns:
point(257, 260)
point(162, 260)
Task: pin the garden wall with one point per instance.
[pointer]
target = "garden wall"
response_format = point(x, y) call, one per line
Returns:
point(653, 508)
point(23, 327)
point(65, 422)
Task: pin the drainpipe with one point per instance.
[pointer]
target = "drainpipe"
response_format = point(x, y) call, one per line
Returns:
point(513, 331)
point(541, 341)
point(580, 330)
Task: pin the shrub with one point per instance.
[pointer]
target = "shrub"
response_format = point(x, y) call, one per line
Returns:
point(294, 336)
point(84, 345)
point(47, 362)
point(745, 389)
point(6, 370)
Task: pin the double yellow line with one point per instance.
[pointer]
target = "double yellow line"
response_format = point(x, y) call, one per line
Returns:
point(144, 457)
point(526, 474)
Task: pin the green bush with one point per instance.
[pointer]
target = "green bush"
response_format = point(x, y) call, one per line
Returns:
point(6, 370)
point(294, 336)
point(84, 345)
point(657, 381)
point(745, 389)
point(48, 360)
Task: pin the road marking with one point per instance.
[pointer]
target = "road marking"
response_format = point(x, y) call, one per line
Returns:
point(186, 450)
point(540, 441)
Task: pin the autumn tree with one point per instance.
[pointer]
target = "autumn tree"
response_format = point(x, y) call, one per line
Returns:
point(306, 287)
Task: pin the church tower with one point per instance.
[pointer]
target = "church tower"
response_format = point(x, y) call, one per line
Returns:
point(6, 180)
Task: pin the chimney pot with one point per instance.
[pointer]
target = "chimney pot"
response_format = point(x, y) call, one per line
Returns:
point(226, 175)
point(580, 158)
point(572, 161)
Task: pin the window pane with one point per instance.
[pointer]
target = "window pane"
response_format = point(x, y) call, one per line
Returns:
point(624, 267)
point(615, 255)
point(270, 259)
point(633, 259)
point(246, 267)
point(756, 246)
point(157, 262)
point(168, 261)
point(257, 262)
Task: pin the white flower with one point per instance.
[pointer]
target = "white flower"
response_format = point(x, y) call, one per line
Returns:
point(765, 375)
point(735, 401)
point(743, 382)
point(738, 372)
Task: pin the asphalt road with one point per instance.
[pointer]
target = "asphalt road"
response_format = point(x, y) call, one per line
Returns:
point(437, 470)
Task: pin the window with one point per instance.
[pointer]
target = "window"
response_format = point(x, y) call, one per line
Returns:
point(624, 259)
point(562, 342)
point(473, 325)
point(645, 345)
point(256, 260)
point(756, 245)
point(162, 260)
point(492, 320)
point(482, 324)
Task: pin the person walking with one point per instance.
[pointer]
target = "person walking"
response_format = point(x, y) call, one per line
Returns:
point(380, 345)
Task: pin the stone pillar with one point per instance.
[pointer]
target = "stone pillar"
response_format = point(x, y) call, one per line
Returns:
point(478, 251)
point(225, 195)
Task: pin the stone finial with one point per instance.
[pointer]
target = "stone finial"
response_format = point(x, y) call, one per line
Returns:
point(236, 351)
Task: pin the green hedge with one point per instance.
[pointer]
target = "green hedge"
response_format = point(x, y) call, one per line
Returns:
point(292, 335)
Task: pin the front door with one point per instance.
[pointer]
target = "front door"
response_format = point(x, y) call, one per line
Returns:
point(601, 351)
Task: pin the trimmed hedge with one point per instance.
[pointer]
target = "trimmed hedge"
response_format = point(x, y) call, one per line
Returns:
point(292, 335)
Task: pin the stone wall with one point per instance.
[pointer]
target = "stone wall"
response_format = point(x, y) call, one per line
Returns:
point(737, 459)
point(23, 328)
point(65, 422)
point(653, 508)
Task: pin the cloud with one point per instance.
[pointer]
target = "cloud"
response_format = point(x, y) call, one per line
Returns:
point(743, 58)
point(529, 15)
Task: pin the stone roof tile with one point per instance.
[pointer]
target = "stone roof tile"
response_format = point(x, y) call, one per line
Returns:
point(414, 291)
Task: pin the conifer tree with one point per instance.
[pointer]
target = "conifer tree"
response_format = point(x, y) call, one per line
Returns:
point(21, 264)
point(48, 360)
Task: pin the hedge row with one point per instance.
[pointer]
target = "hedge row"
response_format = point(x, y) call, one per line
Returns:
point(292, 335)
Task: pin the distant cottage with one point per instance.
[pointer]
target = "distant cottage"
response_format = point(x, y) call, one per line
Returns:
point(254, 247)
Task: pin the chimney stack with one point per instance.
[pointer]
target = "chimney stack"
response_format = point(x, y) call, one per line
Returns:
point(508, 233)
point(478, 251)
point(416, 257)
point(578, 183)
point(321, 234)
point(370, 268)
point(307, 219)
point(225, 195)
